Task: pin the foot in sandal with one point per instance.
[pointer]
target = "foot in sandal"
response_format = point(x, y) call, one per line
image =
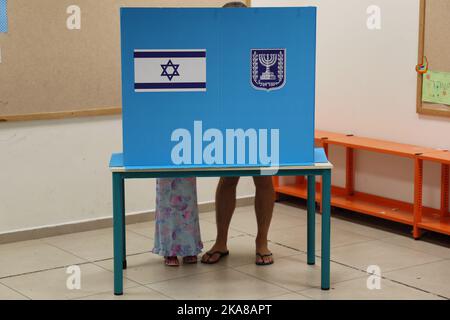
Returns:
point(171, 261)
point(213, 257)
point(263, 255)
point(264, 259)
point(215, 254)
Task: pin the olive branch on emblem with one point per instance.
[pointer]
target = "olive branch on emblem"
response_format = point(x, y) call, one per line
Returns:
point(280, 66)
point(255, 67)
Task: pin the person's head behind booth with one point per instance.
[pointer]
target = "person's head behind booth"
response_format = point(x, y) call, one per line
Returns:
point(235, 4)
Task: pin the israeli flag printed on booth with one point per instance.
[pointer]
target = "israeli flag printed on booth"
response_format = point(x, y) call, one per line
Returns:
point(169, 70)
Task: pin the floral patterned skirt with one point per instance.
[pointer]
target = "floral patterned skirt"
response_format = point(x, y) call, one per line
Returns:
point(177, 227)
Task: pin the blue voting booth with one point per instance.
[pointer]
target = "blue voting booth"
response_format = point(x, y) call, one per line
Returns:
point(214, 72)
point(219, 92)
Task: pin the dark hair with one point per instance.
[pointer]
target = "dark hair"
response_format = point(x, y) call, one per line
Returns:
point(235, 4)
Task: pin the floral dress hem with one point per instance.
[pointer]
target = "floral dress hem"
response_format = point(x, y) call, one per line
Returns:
point(163, 253)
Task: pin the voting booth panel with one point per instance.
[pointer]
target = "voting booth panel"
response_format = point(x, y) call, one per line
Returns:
point(195, 86)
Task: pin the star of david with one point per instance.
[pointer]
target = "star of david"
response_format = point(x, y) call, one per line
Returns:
point(169, 66)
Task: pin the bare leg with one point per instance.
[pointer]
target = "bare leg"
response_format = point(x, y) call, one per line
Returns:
point(225, 205)
point(264, 203)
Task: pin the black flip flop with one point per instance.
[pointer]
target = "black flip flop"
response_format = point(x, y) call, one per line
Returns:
point(262, 256)
point(211, 254)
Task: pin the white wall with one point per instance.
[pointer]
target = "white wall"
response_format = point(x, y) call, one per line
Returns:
point(366, 85)
point(55, 172)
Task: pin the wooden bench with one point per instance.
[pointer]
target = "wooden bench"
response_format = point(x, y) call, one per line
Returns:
point(410, 213)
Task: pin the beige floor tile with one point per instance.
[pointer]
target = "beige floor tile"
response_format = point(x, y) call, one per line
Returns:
point(135, 293)
point(146, 229)
point(211, 215)
point(221, 284)
point(357, 290)
point(9, 294)
point(29, 256)
point(36, 269)
point(433, 277)
point(242, 251)
point(246, 221)
point(98, 244)
point(208, 216)
point(422, 246)
point(372, 232)
point(208, 230)
point(51, 284)
point(293, 273)
point(280, 208)
point(385, 255)
point(291, 209)
point(148, 268)
point(289, 296)
point(296, 237)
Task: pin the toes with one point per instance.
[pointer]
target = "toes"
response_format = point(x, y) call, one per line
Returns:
point(172, 261)
point(268, 260)
point(264, 259)
point(211, 258)
point(206, 257)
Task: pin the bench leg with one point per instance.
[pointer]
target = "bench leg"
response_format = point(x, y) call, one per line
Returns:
point(418, 193)
point(326, 211)
point(118, 216)
point(311, 205)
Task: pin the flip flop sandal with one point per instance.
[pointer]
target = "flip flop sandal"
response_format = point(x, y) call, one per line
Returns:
point(190, 260)
point(262, 256)
point(211, 254)
point(171, 261)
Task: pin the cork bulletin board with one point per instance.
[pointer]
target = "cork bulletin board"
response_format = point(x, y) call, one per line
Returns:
point(48, 71)
point(434, 44)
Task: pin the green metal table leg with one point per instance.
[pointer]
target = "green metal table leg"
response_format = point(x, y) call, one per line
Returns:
point(326, 208)
point(118, 232)
point(124, 236)
point(311, 204)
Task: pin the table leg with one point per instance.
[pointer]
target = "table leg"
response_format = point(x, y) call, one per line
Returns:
point(118, 215)
point(311, 205)
point(124, 231)
point(326, 211)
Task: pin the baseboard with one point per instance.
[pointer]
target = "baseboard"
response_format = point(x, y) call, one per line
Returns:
point(107, 222)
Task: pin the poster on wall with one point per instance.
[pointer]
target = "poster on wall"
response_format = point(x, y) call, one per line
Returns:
point(436, 87)
point(3, 16)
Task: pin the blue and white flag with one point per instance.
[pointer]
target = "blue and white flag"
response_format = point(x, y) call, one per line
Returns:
point(3, 16)
point(169, 70)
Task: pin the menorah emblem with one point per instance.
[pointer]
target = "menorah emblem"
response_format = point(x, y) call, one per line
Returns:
point(268, 60)
point(268, 68)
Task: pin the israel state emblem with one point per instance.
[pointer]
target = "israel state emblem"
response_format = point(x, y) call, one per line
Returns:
point(268, 70)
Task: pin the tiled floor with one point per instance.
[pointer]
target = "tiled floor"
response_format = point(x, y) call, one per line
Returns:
point(410, 269)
